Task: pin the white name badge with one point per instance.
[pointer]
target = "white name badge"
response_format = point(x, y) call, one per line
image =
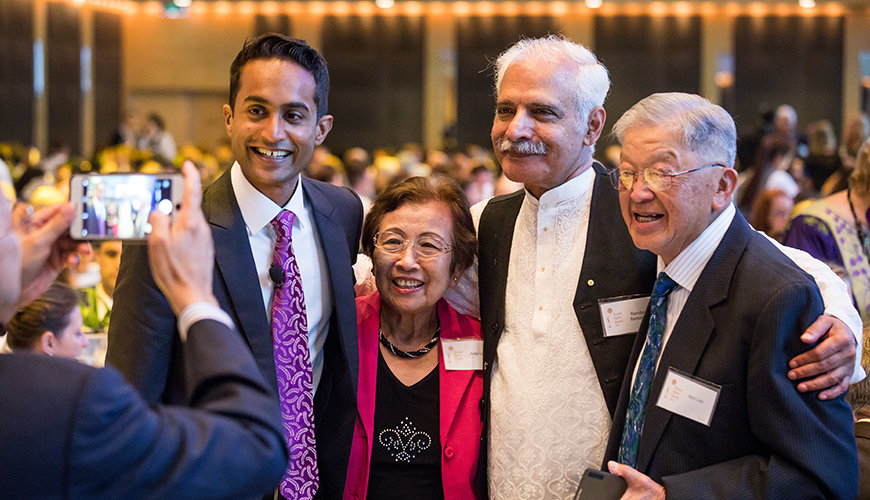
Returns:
point(689, 396)
point(462, 354)
point(622, 315)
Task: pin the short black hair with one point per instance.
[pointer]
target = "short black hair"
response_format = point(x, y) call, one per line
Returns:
point(277, 46)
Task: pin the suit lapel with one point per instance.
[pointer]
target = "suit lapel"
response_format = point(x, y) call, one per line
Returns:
point(338, 260)
point(237, 272)
point(692, 332)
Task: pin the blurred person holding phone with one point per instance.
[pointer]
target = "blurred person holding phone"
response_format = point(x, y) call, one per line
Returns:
point(97, 437)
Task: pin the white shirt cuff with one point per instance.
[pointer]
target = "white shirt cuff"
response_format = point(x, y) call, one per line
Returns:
point(199, 311)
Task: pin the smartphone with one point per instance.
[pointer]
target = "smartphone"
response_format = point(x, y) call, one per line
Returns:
point(599, 485)
point(117, 206)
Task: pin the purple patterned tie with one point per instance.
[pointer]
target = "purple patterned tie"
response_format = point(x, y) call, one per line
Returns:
point(293, 364)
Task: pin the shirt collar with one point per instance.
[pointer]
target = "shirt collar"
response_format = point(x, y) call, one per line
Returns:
point(686, 268)
point(257, 209)
point(569, 190)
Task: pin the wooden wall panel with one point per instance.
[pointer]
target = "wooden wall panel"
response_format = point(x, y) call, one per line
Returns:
point(479, 41)
point(788, 60)
point(63, 80)
point(16, 71)
point(107, 64)
point(376, 80)
point(645, 55)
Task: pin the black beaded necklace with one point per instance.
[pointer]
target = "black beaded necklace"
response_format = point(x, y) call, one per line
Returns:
point(409, 354)
point(858, 226)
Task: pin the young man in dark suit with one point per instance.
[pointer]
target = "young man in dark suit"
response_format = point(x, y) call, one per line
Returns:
point(71, 431)
point(707, 409)
point(275, 118)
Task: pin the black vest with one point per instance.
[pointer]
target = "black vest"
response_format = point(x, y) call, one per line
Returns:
point(612, 267)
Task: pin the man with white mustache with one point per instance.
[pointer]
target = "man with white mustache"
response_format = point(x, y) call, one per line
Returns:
point(555, 261)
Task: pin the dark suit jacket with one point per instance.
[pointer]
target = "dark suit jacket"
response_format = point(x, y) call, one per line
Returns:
point(70, 431)
point(153, 362)
point(612, 267)
point(738, 329)
point(862, 437)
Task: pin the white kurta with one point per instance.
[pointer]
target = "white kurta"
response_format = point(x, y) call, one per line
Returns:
point(549, 418)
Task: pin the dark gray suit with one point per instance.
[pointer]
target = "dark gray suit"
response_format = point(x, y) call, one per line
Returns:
point(152, 361)
point(70, 431)
point(739, 328)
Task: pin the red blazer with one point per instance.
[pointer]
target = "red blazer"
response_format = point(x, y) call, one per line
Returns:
point(460, 421)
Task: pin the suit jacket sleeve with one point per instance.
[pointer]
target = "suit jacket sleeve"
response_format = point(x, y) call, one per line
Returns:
point(141, 331)
point(809, 455)
point(228, 445)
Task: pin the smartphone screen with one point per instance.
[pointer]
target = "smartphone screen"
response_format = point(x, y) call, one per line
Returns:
point(117, 206)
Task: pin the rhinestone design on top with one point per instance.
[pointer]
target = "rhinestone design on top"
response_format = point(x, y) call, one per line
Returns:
point(404, 442)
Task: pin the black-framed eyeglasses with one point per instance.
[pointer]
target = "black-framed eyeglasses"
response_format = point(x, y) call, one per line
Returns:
point(657, 180)
point(425, 247)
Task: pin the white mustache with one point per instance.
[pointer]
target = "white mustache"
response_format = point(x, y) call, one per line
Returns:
point(522, 147)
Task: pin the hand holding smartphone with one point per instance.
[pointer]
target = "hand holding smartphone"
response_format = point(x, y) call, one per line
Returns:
point(117, 206)
point(598, 485)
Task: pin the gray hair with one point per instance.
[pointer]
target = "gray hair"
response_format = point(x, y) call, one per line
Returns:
point(784, 110)
point(591, 80)
point(707, 129)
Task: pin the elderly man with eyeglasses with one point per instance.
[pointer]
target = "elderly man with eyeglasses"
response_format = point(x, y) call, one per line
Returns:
point(707, 409)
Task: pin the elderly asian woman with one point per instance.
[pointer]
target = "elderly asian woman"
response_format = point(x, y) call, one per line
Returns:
point(418, 428)
point(51, 324)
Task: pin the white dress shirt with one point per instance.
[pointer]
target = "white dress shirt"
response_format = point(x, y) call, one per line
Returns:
point(258, 211)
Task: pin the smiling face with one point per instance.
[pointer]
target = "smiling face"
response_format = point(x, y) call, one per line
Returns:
point(538, 136)
point(666, 222)
point(408, 284)
point(273, 126)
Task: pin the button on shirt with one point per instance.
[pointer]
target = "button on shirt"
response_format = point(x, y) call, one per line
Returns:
point(257, 210)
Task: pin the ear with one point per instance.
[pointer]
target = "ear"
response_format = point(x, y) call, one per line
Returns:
point(228, 119)
point(725, 190)
point(594, 125)
point(455, 277)
point(46, 343)
point(324, 125)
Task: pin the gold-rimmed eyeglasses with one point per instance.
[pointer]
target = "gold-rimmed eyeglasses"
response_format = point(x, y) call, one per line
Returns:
point(426, 246)
point(657, 180)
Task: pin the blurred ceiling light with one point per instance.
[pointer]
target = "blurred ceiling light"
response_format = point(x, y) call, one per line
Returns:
point(222, 8)
point(558, 8)
point(269, 8)
point(183, 3)
point(807, 4)
point(594, 4)
point(385, 4)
